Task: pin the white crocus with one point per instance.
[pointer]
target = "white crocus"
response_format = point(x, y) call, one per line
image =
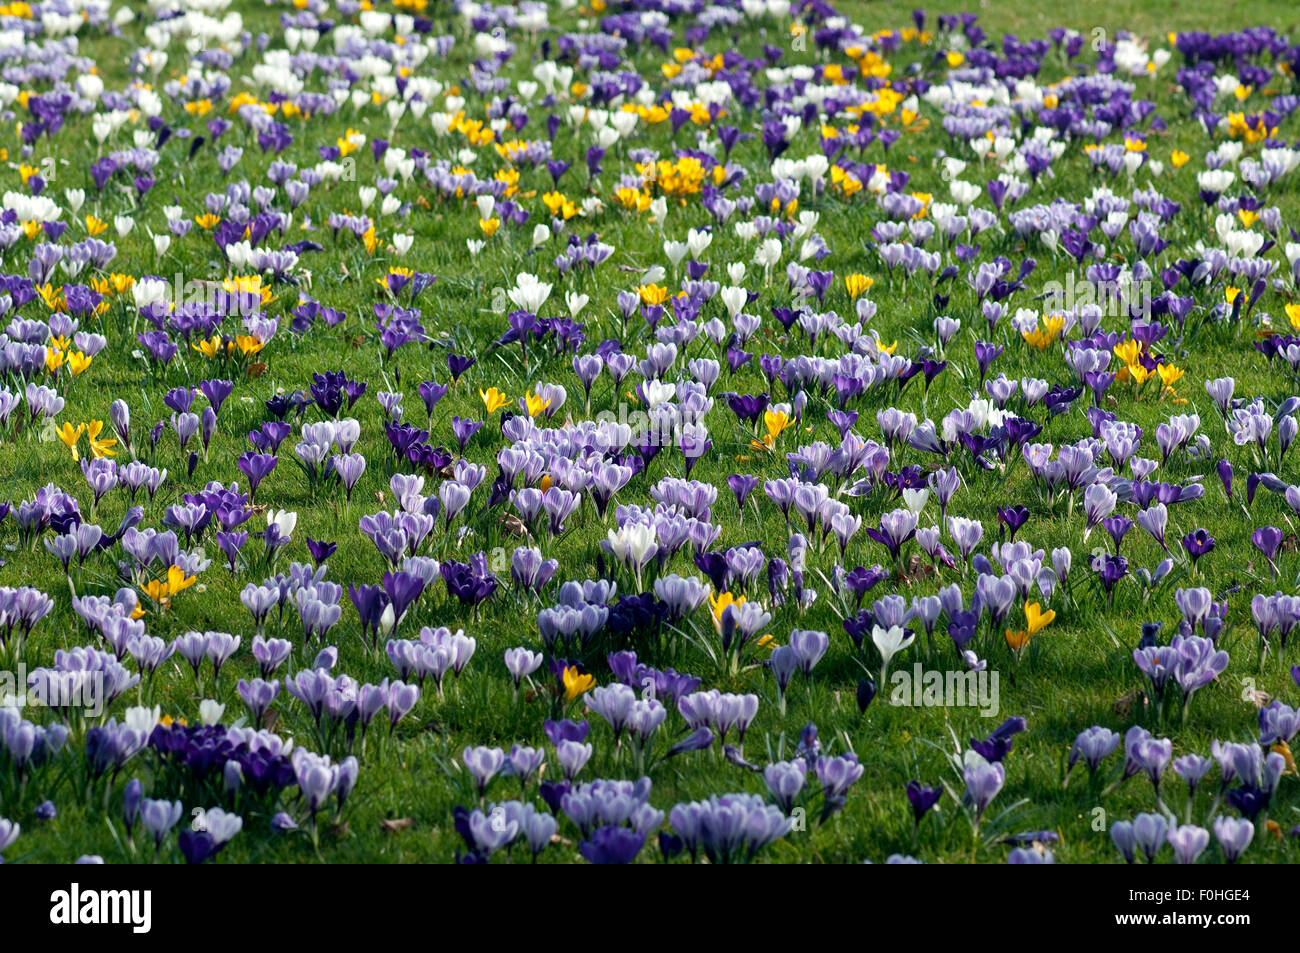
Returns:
point(576, 301)
point(529, 293)
point(915, 500)
point(210, 711)
point(148, 291)
point(657, 392)
point(284, 520)
point(734, 299)
point(889, 642)
point(634, 545)
point(142, 719)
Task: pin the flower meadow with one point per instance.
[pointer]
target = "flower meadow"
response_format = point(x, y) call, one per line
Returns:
point(643, 431)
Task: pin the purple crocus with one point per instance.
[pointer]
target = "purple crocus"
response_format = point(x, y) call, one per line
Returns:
point(1267, 539)
point(257, 467)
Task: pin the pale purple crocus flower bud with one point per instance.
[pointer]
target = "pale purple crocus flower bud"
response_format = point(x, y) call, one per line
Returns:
point(522, 662)
point(483, 763)
point(1188, 842)
point(785, 779)
point(573, 756)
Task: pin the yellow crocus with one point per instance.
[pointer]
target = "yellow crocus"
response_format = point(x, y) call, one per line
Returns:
point(210, 347)
point(1169, 376)
point(857, 284)
point(1179, 158)
point(493, 399)
point(1284, 750)
point(533, 404)
point(1044, 337)
point(1017, 640)
point(78, 362)
point(71, 436)
point(576, 683)
point(1128, 351)
point(1036, 619)
point(249, 344)
point(177, 581)
point(99, 448)
point(653, 294)
point(776, 422)
point(156, 591)
point(718, 605)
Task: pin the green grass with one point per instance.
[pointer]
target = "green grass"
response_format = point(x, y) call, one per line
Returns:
point(1079, 672)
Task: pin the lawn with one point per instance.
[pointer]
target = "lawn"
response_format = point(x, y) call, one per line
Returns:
point(394, 230)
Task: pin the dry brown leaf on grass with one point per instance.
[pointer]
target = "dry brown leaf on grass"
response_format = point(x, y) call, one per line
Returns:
point(1124, 704)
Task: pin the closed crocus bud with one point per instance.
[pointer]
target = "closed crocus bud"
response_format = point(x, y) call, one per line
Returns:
point(207, 426)
point(349, 769)
point(1225, 476)
point(1061, 559)
point(131, 798)
point(119, 415)
point(866, 692)
point(232, 776)
point(1286, 433)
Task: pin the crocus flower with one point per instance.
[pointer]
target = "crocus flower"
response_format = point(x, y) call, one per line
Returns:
point(922, 797)
point(889, 642)
point(1197, 544)
point(983, 781)
point(1188, 842)
point(1267, 539)
point(493, 399)
point(1234, 836)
